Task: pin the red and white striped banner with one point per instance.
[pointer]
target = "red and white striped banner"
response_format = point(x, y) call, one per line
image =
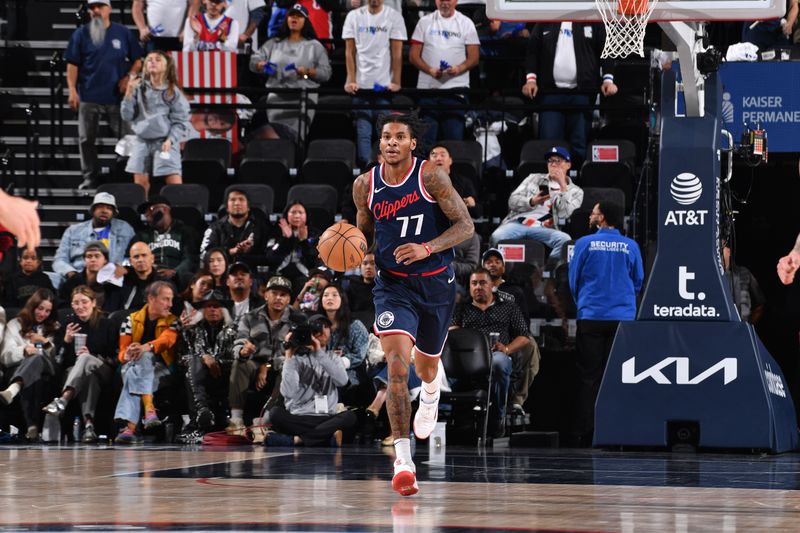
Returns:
point(209, 70)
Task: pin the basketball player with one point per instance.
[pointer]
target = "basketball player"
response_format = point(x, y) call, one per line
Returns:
point(416, 217)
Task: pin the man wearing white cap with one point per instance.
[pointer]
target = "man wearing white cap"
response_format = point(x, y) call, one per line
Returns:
point(113, 232)
point(101, 57)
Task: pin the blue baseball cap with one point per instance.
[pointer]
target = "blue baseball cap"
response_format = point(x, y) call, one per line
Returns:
point(299, 8)
point(559, 151)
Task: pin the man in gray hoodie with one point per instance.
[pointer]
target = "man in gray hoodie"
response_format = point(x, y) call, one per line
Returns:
point(311, 375)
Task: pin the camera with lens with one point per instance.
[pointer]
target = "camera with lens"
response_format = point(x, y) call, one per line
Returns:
point(300, 341)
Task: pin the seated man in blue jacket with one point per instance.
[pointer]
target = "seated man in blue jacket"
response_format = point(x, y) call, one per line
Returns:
point(605, 275)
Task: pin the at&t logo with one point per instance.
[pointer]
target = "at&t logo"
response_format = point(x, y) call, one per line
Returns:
point(686, 189)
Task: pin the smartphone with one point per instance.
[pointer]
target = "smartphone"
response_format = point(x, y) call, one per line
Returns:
point(544, 189)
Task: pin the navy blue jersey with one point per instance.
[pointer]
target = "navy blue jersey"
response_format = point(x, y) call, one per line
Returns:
point(406, 213)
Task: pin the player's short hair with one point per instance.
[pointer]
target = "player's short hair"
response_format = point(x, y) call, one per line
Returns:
point(415, 125)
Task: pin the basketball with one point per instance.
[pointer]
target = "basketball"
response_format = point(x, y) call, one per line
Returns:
point(342, 247)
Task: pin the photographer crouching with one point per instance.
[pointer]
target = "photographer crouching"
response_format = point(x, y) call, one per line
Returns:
point(311, 375)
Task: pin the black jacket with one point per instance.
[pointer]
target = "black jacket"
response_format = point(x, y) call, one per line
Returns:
point(588, 39)
point(225, 235)
point(19, 287)
point(102, 340)
point(132, 293)
point(174, 249)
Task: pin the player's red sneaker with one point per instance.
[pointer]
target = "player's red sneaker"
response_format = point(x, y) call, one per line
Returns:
point(405, 478)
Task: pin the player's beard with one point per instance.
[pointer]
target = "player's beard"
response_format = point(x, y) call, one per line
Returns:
point(97, 31)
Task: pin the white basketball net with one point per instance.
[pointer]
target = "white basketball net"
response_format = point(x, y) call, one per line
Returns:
point(624, 31)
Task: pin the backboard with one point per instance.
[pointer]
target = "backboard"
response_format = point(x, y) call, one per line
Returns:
point(665, 10)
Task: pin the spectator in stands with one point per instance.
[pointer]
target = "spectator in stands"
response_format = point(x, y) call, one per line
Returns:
point(563, 59)
point(95, 257)
point(440, 156)
point(747, 293)
point(310, 374)
point(491, 316)
point(216, 263)
point(241, 233)
point(518, 288)
point(373, 36)
point(467, 256)
point(349, 337)
point(258, 347)
point(539, 202)
point(159, 115)
point(359, 288)
point(174, 244)
point(91, 364)
point(135, 281)
point(211, 30)
point(492, 260)
point(605, 275)
point(248, 15)
point(308, 298)
point(21, 284)
point(291, 249)
point(206, 351)
point(293, 59)
point(146, 343)
point(28, 355)
point(160, 22)
point(115, 234)
point(444, 48)
point(773, 32)
point(240, 287)
point(101, 57)
point(201, 283)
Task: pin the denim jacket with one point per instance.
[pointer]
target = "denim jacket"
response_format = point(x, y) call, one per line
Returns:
point(69, 256)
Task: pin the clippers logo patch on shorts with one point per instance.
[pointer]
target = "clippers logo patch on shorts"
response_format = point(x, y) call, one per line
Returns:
point(386, 319)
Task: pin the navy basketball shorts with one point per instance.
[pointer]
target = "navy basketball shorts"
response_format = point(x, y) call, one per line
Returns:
point(420, 307)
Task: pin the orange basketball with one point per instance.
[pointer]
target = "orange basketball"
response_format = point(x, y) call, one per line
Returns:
point(342, 247)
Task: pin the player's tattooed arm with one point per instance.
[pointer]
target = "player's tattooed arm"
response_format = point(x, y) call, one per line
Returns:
point(438, 185)
point(364, 219)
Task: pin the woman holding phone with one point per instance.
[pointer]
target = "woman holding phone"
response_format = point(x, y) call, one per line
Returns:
point(89, 344)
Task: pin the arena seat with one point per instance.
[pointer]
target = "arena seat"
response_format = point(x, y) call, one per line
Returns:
point(206, 162)
point(610, 176)
point(189, 203)
point(329, 161)
point(270, 162)
point(467, 359)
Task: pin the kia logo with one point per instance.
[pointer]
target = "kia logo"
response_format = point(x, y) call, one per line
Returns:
point(686, 188)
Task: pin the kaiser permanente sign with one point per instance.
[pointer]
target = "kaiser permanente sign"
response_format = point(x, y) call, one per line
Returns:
point(766, 93)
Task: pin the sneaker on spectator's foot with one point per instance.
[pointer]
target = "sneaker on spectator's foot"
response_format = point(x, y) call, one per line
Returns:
point(89, 436)
point(405, 478)
point(235, 426)
point(425, 419)
point(32, 434)
point(88, 183)
point(56, 407)
point(127, 436)
point(388, 441)
point(205, 418)
point(517, 409)
point(192, 436)
point(151, 420)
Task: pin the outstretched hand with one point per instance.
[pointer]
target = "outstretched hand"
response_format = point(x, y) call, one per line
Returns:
point(787, 266)
point(19, 216)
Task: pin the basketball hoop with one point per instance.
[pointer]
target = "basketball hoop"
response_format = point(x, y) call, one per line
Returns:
point(625, 22)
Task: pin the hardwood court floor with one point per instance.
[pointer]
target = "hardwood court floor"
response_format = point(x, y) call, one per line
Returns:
point(79, 488)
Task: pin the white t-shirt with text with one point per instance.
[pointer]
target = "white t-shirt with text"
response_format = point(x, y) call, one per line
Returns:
point(165, 18)
point(444, 39)
point(372, 35)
